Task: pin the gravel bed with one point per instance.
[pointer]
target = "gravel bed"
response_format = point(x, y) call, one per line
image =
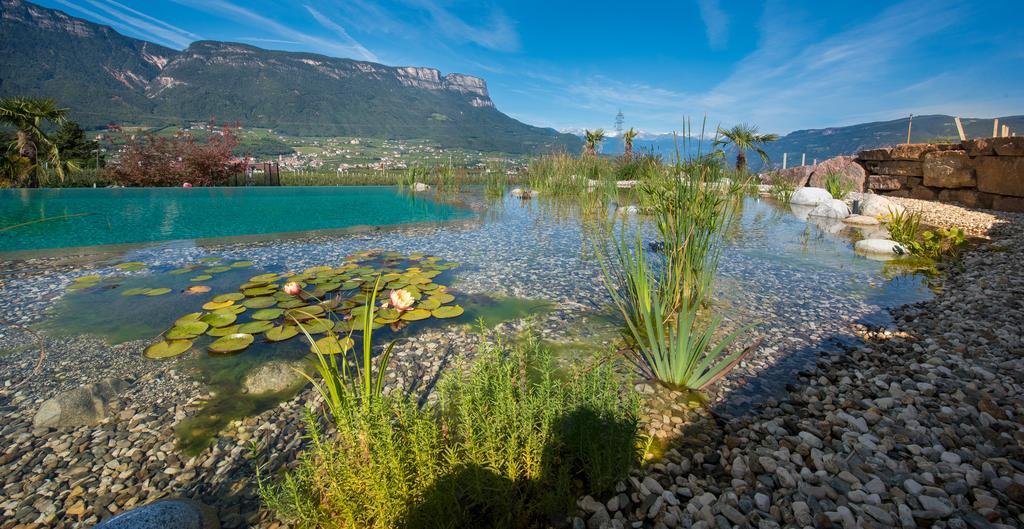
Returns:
point(920, 425)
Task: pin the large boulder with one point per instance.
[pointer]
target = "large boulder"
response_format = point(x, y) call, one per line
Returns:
point(948, 169)
point(797, 176)
point(80, 406)
point(878, 206)
point(843, 166)
point(274, 376)
point(882, 249)
point(1001, 175)
point(810, 196)
point(833, 209)
point(173, 513)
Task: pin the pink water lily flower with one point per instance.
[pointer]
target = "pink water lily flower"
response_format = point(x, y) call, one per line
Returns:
point(292, 288)
point(401, 300)
point(186, 185)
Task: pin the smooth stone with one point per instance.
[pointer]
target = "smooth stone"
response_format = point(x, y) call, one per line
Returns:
point(810, 196)
point(273, 377)
point(176, 513)
point(81, 406)
point(833, 209)
point(881, 248)
point(861, 220)
point(877, 206)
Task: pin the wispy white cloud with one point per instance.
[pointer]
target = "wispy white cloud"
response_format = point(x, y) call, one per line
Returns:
point(499, 33)
point(340, 31)
point(716, 22)
point(131, 21)
point(327, 46)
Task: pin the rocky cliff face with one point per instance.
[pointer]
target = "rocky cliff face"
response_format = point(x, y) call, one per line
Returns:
point(104, 76)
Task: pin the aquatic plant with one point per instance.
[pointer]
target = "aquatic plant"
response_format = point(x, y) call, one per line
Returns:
point(905, 228)
point(659, 299)
point(837, 186)
point(781, 188)
point(510, 442)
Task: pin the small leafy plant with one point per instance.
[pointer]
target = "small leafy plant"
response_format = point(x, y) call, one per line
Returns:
point(905, 228)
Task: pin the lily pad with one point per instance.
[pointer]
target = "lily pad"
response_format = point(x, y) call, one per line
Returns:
point(222, 331)
point(428, 304)
point(231, 343)
point(201, 277)
point(281, 333)
point(260, 302)
point(210, 260)
point(291, 303)
point(416, 315)
point(217, 269)
point(181, 271)
point(217, 305)
point(242, 264)
point(167, 348)
point(448, 311)
point(259, 291)
point(188, 318)
point(263, 278)
point(255, 327)
point(157, 291)
point(332, 345)
point(232, 296)
point(267, 314)
point(187, 330)
point(219, 318)
point(305, 313)
point(443, 297)
point(131, 266)
point(134, 291)
point(88, 279)
point(197, 289)
point(318, 326)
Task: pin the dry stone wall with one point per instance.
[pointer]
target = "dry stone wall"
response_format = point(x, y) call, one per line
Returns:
point(985, 172)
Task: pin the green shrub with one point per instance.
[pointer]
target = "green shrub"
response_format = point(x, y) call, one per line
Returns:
point(511, 442)
point(782, 188)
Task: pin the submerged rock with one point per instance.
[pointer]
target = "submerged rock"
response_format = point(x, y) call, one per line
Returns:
point(420, 186)
point(176, 513)
point(273, 376)
point(861, 220)
point(833, 209)
point(81, 406)
point(810, 196)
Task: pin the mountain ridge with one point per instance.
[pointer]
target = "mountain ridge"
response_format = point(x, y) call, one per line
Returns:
point(104, 76)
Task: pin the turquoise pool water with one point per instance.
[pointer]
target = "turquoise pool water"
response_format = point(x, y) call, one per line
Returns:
point(91, 217)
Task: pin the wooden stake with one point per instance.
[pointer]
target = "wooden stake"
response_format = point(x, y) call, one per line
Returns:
point(803, 159)
point(909, 125)
point(1006, 131)
point(995, 128)
point(783, 161)
point(960, 128)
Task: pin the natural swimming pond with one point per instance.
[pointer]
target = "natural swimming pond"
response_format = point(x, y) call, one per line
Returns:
point(798, 280)
point(35, 219)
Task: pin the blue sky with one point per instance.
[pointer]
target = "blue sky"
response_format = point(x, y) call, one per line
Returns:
point(781, 65)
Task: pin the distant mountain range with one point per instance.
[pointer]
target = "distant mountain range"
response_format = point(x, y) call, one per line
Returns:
point(103, 76)
point(822, 144)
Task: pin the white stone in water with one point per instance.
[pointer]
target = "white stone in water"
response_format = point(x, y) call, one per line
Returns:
point(833, 209)
point(420, 186)
point(880, 248)
point(810, 196)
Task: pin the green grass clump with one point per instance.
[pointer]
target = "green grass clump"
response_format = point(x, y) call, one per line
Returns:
point(837, 186)
point(905, 228)
point(782, 188)
point(510, 443)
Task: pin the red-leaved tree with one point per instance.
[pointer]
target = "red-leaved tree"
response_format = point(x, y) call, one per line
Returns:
point(151, 160)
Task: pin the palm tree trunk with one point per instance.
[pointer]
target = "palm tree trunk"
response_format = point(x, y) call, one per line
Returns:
point(741, 160)
point(27, 149)
point(629, 150)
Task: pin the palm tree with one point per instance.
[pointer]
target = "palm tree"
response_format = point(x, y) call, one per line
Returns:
point(28, 117)
point(627, 142)
point(742, 138)
point(593, 139)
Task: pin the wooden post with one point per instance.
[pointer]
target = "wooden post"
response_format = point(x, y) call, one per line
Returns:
point(783, 161)
point(1006, 131)
point(803, 159)
point(960, 128)
point(910, 125)
point(995, 128)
